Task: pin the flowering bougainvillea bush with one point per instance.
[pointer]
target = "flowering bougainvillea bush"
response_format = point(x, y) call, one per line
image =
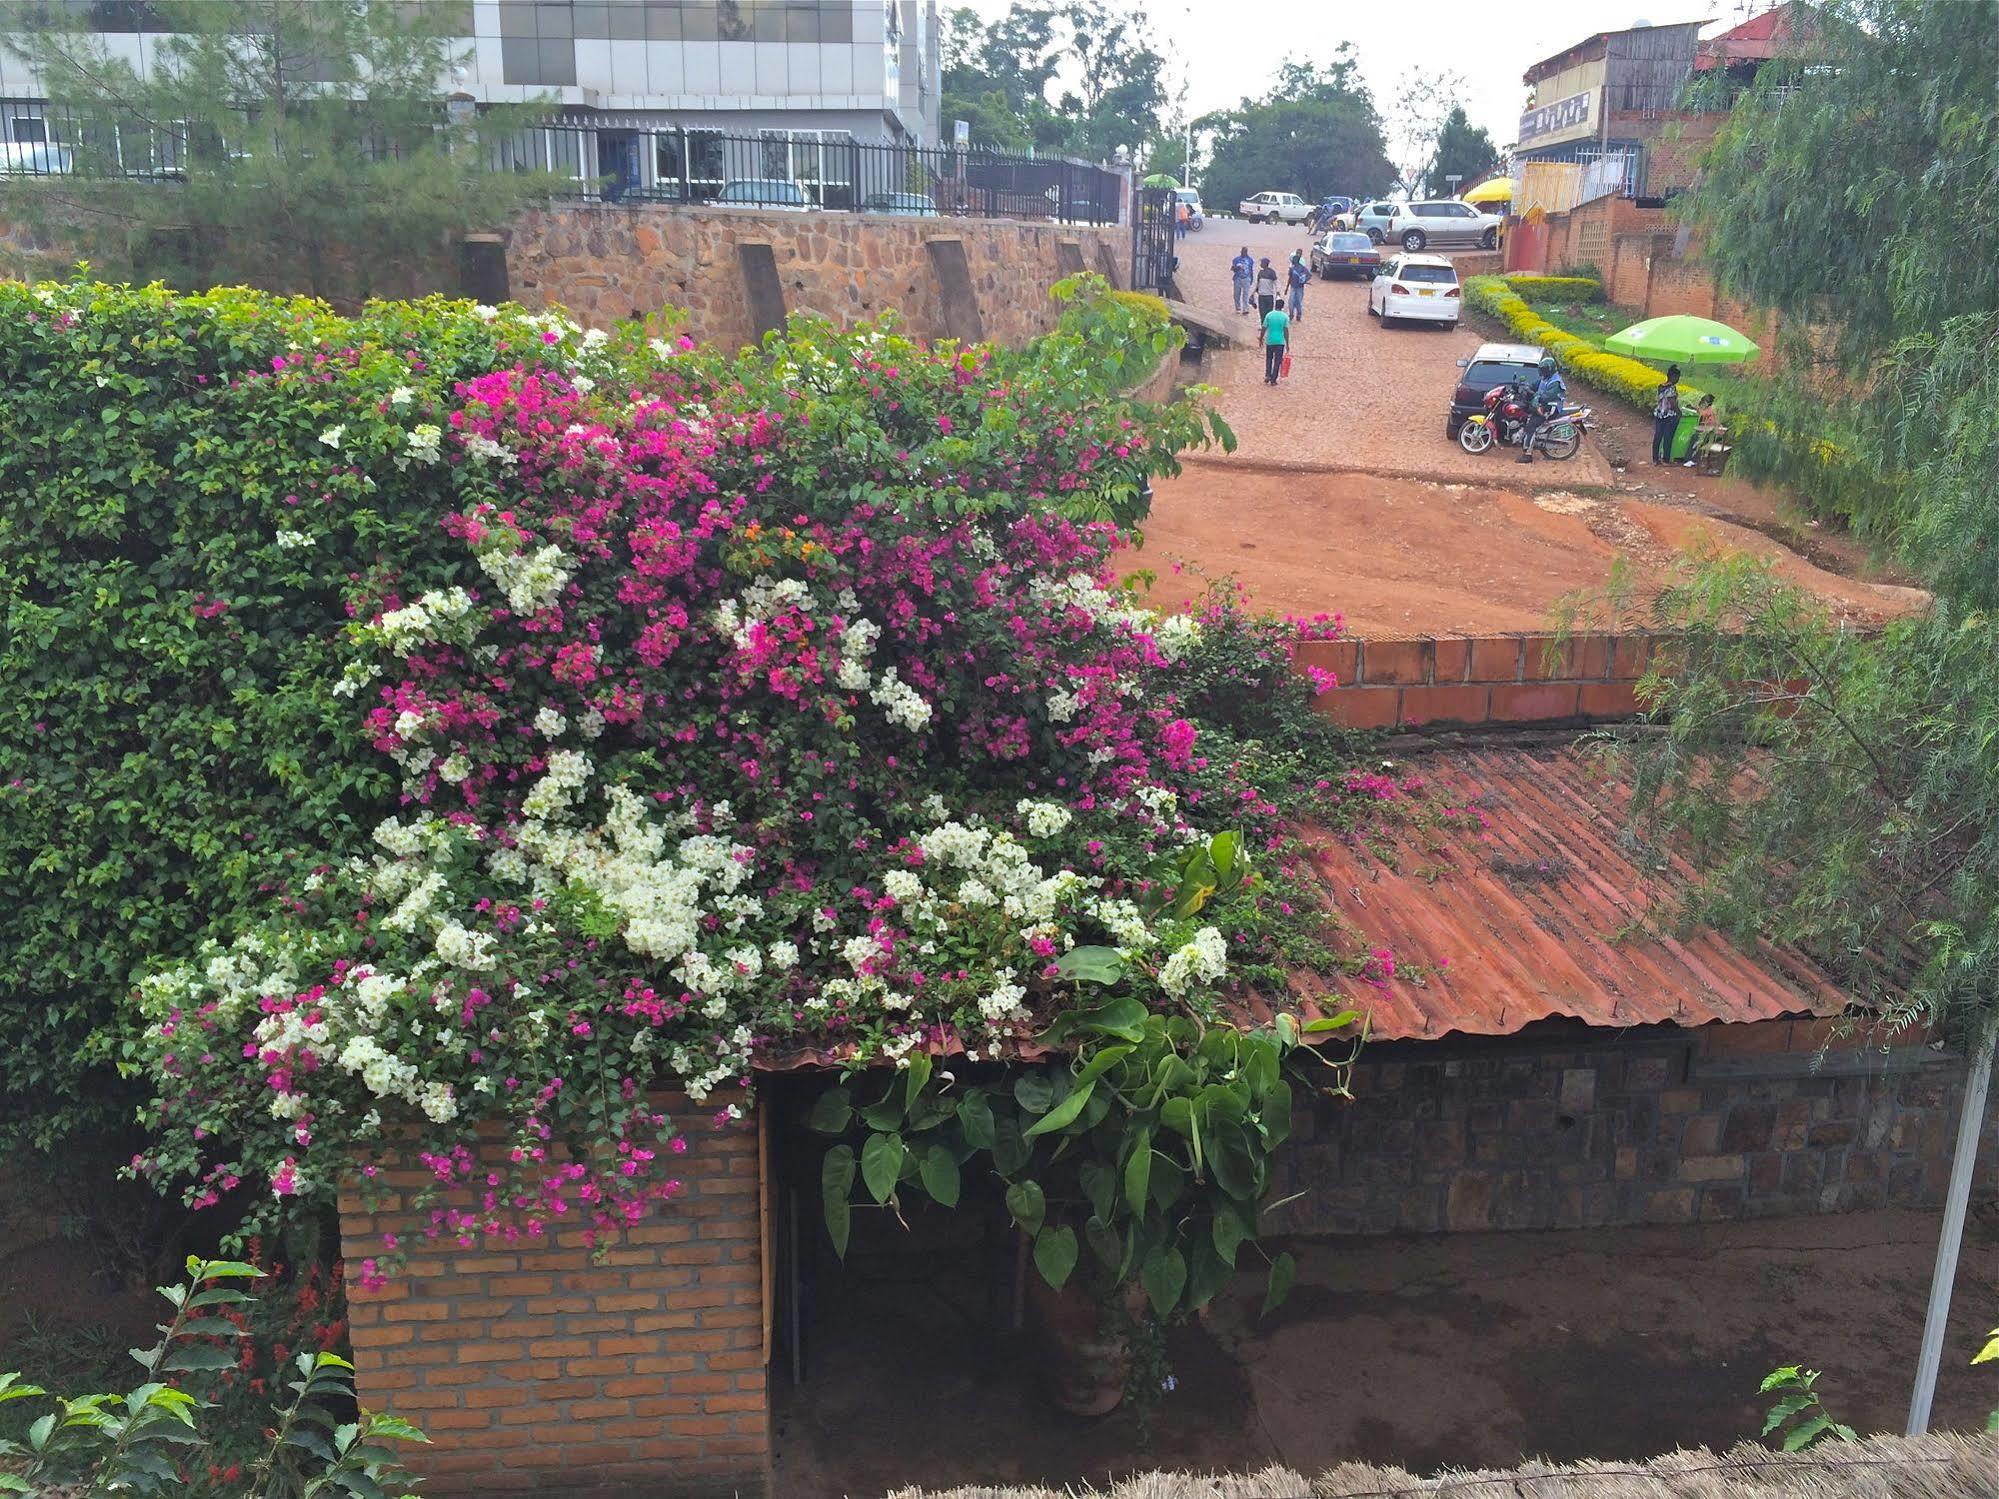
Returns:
point(195, 491)
point(542, 717)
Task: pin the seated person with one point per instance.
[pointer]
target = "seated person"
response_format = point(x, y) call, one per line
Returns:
point(1707, 446)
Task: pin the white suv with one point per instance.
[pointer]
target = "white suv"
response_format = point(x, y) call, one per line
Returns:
point(1419, 288)
point(1270, 207)
point(1443, 221)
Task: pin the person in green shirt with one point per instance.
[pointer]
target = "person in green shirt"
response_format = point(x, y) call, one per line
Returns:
point(1276, 338)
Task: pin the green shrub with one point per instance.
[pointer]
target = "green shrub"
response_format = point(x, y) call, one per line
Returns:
point(1627, 379)
point(1556, 288)
point(166, 734)
point(164, 1438)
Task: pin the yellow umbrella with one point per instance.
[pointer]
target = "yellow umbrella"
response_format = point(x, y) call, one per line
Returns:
point(1498, 190)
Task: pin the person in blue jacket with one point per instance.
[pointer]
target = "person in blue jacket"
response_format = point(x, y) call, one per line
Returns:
point(1296, 275)
point(1546, 402)
point(1243, 268)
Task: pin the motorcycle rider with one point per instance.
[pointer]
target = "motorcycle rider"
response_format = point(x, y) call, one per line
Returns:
point(1546, 403)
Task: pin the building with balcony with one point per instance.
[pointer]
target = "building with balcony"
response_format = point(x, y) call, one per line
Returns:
point(1602, 102)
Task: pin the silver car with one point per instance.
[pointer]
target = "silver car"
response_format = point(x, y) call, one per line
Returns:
point(1374, 219)
point(1443, 221)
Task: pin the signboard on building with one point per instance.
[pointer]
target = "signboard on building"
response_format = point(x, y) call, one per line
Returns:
point(961, 133)
point(1563, 115)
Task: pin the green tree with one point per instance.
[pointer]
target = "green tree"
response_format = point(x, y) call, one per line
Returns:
point(1463, 151)
point(1315, 132)
point(1869, 830)
point(1839, 790)
point(1120, 78)
point(301, 145)
point(1011, 60)
point(1424, 100)
point(1103, 49)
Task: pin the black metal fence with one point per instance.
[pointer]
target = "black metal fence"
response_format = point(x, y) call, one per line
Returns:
point(609, 160)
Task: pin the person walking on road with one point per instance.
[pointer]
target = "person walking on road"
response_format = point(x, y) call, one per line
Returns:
point(1297, 274)
point(1666, 416)
point(1266, 287)
point(1243, 269)
point(1276, 343)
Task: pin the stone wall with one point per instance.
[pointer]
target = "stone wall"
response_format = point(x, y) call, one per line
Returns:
point(1569, 1126)
point(542, 1366)
point(1519, 678)
point(735, 274)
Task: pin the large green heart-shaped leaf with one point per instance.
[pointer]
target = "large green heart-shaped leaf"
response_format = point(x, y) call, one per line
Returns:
point(836, 1182)
point(1164, 1276)
point(1027, 1204)
point(1064, 1113)
point(940, 1174)
point(1055, 1254)
point(1091, 965)
point(975, 1117)
point(1138, 1171)
point(831, 1112)
point(1283, 1271)
point(881, 1165)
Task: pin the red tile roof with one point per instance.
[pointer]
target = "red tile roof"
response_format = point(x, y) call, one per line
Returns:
point(1536, 914)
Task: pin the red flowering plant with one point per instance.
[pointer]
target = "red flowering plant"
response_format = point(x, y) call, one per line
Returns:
point(747, 701)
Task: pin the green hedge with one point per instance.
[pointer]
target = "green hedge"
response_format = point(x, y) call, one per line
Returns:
point(1556, 288)
point(1613, 374)
point(166, 733)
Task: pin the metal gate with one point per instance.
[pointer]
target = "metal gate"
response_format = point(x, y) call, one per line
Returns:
point(1153, 258)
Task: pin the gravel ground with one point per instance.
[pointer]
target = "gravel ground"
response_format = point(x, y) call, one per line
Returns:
point(1345, 496)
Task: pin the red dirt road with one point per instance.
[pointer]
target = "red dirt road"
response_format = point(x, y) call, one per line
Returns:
point(1344, 496)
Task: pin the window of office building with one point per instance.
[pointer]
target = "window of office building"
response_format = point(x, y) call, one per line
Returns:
point(828, 21)
point(538, 41)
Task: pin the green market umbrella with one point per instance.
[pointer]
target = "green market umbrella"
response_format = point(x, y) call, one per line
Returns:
point(1682, 340)
point(1160, 179)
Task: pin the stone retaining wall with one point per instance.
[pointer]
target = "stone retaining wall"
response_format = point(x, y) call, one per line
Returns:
point(1569, 1126)
point(736, 274)
point(543, 1366)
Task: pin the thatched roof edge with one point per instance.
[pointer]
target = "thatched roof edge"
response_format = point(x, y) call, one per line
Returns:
point(1932, 1467)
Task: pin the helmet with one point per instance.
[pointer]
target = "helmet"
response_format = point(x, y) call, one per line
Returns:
point(1547, 364)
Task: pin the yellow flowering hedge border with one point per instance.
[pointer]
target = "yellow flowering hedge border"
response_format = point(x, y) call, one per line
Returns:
point(1556, 288)
point(1613, 374)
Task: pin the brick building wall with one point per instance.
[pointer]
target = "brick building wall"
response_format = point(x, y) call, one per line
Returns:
point(603, 262)
point(1568, 1126)
point(1517, 678)
point(545, 1367)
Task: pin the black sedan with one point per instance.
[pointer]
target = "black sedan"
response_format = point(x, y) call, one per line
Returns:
point(1345, 253)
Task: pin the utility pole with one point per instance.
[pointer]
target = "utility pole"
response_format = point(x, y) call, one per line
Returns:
point(1970, 1123)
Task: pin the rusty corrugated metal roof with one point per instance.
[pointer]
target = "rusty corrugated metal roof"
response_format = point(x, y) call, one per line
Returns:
point(1540, 912)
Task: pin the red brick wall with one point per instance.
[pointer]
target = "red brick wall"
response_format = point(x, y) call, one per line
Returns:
point(1488, 679)
point(538, 1367)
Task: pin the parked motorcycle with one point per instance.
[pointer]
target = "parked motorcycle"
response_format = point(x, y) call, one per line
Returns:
point(1505, 417)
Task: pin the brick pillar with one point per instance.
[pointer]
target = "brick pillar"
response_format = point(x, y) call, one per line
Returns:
point(537, 1367)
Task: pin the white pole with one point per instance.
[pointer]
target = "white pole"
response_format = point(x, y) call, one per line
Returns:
point(1970, 1123)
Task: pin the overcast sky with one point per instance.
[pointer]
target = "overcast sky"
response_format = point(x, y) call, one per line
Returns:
point(1491, 42)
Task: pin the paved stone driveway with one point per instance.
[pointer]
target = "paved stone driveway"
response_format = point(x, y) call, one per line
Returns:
point(1360, 396)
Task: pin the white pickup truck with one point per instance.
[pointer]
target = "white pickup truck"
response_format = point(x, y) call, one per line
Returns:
point(1270, 207)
